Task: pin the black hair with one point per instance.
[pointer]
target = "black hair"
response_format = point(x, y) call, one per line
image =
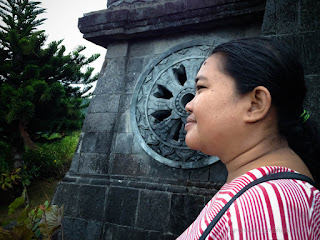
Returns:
point(262, 61)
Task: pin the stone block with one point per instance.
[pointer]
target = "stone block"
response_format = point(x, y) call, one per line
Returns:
point(207, 199)
point(104, 65)
point(309, 15)
point(173, 7)
point(125, 101)
point(67, 194)
point(103, 142)
point(103, 16)
point(218, 173)
point(281, 17)
point(122, 206)
point(123, 143)
point(131, 165)
point(96, 142)
point(147, 20)
point(79, 145)
point(136, 147)
point(287, 16)
point(99, 122)
point(184, 210)
point(117, 16)
point(75, 229)
point(100, 181)
point(312, 98)
point(194, 4)
point(104, 103)
point(163, 44)
point(91, 201)
point(269, 19)
point(117, 49)
point(153, 210)
point(307, 46)
point(113, 232)
point(124, 124)
point(93, 163)
point(141, 48)
point(160, 170)
point(150, 11)
point(201, 174)
point(168, 236)
point(134, 71)
point(75, 163)
point(109, 2)
point(112, 81)
point(92, 18)
point(88, 142)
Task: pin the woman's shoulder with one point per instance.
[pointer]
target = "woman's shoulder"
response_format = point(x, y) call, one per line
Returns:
point(276, 208)
point(275, 198)
point(278, 190)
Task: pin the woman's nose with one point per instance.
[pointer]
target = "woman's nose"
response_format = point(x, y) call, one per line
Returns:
point(189, 106)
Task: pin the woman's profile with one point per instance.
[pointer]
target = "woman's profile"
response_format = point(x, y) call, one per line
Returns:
point(248, 110)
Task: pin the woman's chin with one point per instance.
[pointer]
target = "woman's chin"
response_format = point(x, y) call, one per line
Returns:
point(192, 144)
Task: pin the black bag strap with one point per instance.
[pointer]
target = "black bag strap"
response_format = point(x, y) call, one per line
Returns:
point(274, 176)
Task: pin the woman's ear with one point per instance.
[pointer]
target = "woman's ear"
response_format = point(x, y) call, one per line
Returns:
point(260, 103)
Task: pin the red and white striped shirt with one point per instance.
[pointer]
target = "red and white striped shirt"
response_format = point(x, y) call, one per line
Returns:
point(277, 209)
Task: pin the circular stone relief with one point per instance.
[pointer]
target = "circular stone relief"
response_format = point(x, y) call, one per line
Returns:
point(158, 106)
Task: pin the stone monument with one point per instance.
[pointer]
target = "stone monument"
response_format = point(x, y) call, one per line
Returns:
point(132, 176)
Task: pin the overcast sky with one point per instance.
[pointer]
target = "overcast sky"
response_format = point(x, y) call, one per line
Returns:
point(62, 23)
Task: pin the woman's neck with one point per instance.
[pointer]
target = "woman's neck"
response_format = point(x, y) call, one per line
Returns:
point(270, 151)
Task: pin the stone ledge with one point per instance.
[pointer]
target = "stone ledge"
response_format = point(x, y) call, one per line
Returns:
point(115, 231)
point(164, 17)
point(186, 187)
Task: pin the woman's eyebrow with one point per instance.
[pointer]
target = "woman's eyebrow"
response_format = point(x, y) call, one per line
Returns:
point(200, 78)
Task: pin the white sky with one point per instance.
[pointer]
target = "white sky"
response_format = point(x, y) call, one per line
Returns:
point(62, 23)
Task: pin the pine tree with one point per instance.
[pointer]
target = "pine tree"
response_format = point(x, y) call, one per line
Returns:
point(37, 91)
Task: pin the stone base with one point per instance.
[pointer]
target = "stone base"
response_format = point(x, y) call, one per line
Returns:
point(105, 207)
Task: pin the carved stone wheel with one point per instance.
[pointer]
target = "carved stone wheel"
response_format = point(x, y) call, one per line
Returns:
point(158, 112)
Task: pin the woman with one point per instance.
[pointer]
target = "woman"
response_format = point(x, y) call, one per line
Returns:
point(248, 110)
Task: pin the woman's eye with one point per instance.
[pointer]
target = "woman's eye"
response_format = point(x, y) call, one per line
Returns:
point(198, 87)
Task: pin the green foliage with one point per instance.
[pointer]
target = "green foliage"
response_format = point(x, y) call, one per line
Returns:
point(37, 81)
point(51, 220)
point(51, 159)
point(9, 178)
point(29, 174)
point(38, 223)
point(17, 202)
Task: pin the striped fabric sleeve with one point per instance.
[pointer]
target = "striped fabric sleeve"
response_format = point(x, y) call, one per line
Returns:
point(315, 219)
point(280, 209)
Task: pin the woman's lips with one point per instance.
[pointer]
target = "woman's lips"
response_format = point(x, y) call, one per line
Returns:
point(190, 121)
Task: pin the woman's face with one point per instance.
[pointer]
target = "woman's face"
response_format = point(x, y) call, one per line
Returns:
point(214, 119)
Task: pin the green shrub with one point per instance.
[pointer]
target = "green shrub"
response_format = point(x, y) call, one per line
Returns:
point(51, 160)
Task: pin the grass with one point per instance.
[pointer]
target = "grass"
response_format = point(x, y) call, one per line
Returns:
point(38, 192)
